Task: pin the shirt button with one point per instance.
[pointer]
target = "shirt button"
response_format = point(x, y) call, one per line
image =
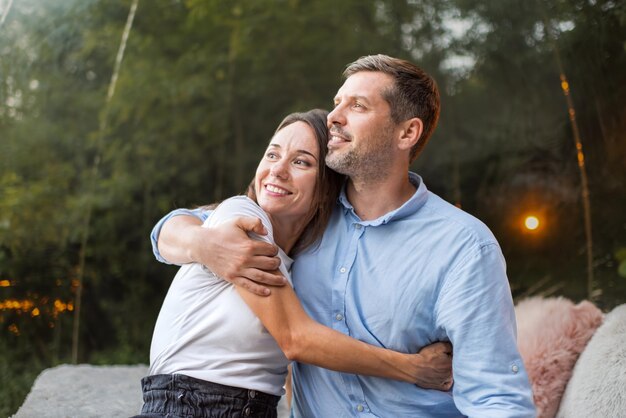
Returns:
point(359, 408)
point(339, 317)
point(342, 270)
point(357, 226)
point(514, 368)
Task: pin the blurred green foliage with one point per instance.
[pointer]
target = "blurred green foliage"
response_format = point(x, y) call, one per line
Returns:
point(201, 88)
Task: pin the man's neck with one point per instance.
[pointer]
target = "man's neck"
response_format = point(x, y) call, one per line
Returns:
point(372, 200)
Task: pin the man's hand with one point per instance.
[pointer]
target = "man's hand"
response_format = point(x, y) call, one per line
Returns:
point(229, 252)
point(434, 369)
point(226, 250)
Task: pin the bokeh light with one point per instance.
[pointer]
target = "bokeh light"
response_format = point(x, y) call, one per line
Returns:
point(531, 222)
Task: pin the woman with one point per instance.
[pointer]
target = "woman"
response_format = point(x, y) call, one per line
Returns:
point(220, 351)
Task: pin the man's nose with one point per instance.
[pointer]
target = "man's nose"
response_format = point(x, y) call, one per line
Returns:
point(336, 116)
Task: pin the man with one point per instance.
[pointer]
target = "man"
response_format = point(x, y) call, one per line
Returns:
point(397, 266)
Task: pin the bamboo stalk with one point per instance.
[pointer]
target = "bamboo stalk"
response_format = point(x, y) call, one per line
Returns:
point(5, 12)
point(584, 183)
point(80, 276)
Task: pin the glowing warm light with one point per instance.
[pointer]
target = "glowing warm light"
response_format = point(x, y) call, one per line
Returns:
point(60, 306)
point(18, 305)
point(28, 306)
point(5, 283)
point(531, 222)
point(14, 329)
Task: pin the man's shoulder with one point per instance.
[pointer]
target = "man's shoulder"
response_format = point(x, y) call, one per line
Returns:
point(450, 219)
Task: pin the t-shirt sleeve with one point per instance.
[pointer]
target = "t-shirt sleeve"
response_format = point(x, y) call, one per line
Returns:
point(239, 206)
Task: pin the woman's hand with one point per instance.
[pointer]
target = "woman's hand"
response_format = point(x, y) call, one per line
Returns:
point(433, 366)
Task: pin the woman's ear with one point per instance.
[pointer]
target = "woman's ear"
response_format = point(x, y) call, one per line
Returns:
point(411, 133)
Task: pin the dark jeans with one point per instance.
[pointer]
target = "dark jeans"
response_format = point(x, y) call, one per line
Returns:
point(180, 396)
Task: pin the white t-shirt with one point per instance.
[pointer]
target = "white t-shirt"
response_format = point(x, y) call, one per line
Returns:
point(206, 331)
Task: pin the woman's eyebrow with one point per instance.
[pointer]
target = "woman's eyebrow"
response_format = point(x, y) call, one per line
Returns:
point(302, 151)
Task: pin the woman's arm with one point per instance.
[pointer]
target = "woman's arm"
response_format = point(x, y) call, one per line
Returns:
point(305, 340)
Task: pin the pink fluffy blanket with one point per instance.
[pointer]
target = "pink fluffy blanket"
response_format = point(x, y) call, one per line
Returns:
point(551, 335)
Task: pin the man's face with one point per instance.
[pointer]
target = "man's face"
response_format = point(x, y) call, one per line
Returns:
point(361, 129)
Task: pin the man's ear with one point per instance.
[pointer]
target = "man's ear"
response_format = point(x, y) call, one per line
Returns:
point(411, 132)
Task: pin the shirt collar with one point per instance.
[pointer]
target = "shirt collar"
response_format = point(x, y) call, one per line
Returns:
point(409, 207)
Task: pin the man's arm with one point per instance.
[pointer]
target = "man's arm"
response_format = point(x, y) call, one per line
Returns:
point(190, 214)
point(226, 249)
point(175, 239)
point(475, 310)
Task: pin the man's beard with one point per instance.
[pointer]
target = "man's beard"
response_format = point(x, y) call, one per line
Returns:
point(369, 162)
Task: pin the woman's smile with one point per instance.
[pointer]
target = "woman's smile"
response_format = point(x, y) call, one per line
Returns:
point(276, 190)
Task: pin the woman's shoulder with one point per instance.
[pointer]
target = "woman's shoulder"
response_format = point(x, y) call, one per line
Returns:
point(240, 201)
point(241, 204)
point(237, 206)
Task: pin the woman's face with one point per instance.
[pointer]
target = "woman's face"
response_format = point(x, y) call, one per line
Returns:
point(285, 178)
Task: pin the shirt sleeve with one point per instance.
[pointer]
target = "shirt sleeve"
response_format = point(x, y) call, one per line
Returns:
point(475, 309)
point(154, 235)
point(242, 206)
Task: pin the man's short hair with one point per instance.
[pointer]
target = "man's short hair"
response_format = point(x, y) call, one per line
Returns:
point(414, 94)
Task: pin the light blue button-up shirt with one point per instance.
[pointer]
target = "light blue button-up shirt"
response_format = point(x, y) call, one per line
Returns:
point(424, 272)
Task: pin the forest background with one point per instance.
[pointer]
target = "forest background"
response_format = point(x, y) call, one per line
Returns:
point(533, 123)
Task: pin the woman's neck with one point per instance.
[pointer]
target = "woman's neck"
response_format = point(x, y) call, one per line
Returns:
point(287, 231)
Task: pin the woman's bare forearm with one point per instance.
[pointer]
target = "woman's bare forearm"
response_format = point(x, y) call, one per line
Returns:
point(305, 340)
point(322, 346)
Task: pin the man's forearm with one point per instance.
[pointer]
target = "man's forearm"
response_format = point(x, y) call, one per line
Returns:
point(226, 249)
point(177, 237)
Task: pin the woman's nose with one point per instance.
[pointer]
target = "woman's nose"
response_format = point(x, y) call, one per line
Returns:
point(279, 169)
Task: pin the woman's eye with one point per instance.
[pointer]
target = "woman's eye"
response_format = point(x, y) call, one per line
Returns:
point(271, 155)
point(302, 163)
